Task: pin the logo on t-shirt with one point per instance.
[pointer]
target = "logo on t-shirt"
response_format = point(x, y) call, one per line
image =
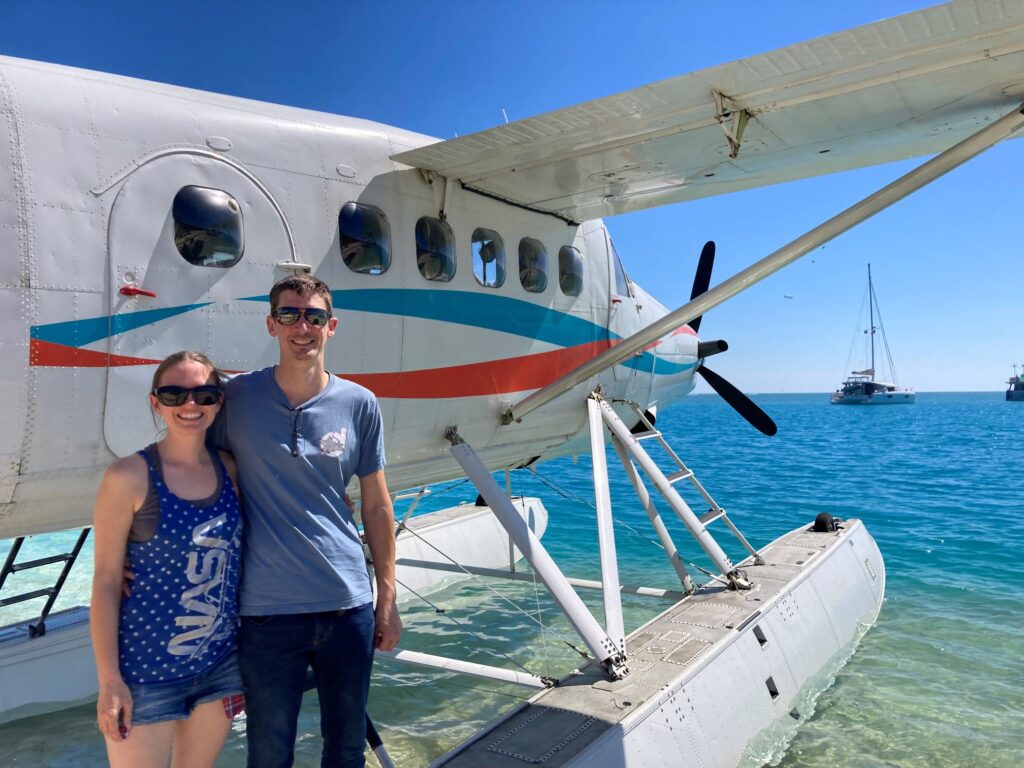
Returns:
point(333, 443)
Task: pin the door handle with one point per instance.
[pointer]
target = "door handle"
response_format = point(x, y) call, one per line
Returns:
point(131, 290)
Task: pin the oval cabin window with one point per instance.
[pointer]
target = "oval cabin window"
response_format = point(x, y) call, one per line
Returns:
point(435, 250)
point(488, 258)
point(207, 227)
point(533, 265)
point(570, 270)
point(365, 239)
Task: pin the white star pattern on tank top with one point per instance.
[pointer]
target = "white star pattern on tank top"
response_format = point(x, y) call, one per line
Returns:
point(182, 615)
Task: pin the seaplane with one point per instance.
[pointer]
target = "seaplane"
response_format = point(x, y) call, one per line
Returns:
point(483, 301)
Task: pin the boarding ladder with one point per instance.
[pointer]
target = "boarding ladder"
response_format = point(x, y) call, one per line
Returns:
point(631, 441)
point(11, 566)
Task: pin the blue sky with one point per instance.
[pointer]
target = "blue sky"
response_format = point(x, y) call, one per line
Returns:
point(947, 266)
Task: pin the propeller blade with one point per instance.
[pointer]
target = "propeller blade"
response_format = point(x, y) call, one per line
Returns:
point(702, 279)
point(742, 404)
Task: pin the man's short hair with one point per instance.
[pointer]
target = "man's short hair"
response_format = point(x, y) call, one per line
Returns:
point(304, 285)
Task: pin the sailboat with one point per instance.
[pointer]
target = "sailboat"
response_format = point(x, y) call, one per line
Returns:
point(865, 387)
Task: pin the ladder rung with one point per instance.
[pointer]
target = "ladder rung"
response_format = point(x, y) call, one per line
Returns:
point(677, 476)
point(647, 435)
point(711, 515)
point(26, 596)
point(41, 561)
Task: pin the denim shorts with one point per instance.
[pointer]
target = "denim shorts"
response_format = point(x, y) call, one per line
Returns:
point(159, 702)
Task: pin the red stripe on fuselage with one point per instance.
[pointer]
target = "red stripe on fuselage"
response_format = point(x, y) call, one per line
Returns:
point(513, 374)
point(46, 353)
point(493, 377)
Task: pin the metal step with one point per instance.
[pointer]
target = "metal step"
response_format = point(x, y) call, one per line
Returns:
point(711, 515)
point(640, 436)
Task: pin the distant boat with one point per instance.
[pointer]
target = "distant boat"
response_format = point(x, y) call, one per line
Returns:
point(1015, 390)
point(865, 387)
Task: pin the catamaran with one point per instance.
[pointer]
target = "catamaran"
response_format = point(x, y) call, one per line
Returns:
point(863, 387)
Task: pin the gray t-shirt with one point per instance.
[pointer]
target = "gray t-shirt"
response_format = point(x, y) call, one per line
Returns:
point(301, 548)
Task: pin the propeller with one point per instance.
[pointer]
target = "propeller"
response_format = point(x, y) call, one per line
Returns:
point(740, 403)
point(702, 280)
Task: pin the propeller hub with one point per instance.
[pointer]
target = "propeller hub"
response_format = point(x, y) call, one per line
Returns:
point(709, 348)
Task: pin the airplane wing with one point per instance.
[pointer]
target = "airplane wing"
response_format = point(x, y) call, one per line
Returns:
point(907, 86)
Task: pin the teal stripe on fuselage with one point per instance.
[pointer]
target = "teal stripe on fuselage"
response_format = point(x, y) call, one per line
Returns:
point(662, 367)
point(478, 310)
point(496, 313)
point(78, 333)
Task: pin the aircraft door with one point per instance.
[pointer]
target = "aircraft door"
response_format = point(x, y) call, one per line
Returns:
point(623, 312)
point(193, 242)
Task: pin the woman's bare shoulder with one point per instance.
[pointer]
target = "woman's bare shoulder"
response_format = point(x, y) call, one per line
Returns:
point(128, 475)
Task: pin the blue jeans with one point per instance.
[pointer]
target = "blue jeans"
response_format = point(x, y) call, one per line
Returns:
point(275, 653)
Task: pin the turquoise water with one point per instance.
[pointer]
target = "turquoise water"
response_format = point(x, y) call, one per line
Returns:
point(938, 682)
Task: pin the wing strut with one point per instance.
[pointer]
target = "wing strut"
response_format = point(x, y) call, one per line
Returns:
point(905, 185)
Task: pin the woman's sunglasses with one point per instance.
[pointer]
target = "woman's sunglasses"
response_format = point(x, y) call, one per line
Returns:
point(314, 316)
point(208, 394)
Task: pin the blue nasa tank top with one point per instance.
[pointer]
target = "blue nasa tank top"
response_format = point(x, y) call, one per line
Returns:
point(182, 616)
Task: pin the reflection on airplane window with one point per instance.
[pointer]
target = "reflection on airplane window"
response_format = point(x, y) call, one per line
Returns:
point(570, 270)
point(622, 286)
point(488, 258)
point(365, 239)
point(435, 253)
point(207, 227)
point(533, 265)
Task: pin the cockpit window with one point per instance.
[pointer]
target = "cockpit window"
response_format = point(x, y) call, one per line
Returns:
point(365, 239)
point(622, 285)
point(207, 227)
point(435, 250)
point(570, 270)
point(533, 265)
point(488, 258)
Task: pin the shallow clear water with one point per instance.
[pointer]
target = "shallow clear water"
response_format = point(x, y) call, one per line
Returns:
point(938, 682)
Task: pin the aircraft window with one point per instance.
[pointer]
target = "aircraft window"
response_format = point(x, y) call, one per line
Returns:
point(207, 227)
point(533, 265)
point(622, 286)
point(488, 258)
point(435, 253)
point(570, 270)
point(365, 239)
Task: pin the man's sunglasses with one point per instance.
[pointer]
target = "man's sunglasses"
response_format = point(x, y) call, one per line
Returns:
point(208, 394)
point(314, 316)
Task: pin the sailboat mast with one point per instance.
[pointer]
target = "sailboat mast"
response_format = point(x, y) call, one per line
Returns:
point(871, 315)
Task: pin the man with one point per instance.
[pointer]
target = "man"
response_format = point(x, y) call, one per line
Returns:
point(298, 434)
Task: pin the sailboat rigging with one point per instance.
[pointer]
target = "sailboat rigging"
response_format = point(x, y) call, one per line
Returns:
point(865, 387)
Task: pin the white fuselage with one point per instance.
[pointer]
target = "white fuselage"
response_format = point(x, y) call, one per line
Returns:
point(90, 166)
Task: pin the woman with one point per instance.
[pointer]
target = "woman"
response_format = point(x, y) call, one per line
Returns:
point(168, 678)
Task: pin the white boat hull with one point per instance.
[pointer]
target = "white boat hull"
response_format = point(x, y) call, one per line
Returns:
point(718, 680)
point(44, 674)
point(877, 398)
